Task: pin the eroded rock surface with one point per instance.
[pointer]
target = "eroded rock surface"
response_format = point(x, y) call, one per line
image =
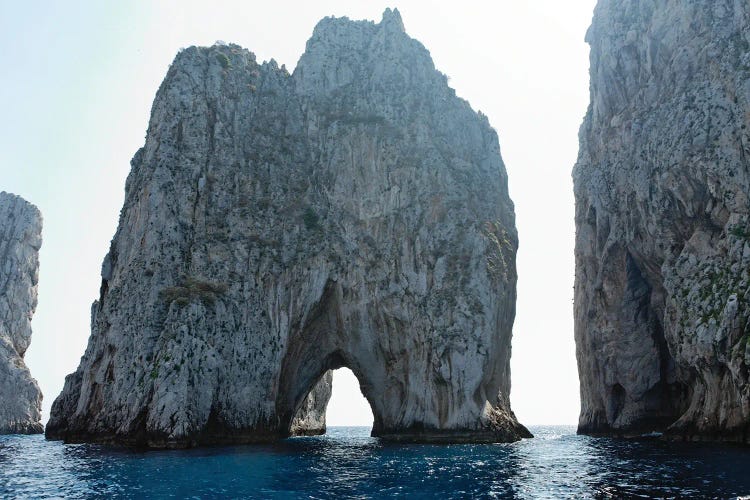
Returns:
point(663, 241)
point(310, 419)
point(20, 240)
point(278, 226)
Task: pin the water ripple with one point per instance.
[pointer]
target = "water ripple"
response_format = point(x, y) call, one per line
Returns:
point(348, 463)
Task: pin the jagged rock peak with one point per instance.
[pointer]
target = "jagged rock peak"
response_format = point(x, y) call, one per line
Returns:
point(20, 240)
point(662, 227)
point(392, 20)
point(341, 50)
point(275, 228)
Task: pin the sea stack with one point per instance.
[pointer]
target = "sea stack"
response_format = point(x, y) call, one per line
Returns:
point(663, 236)
point(277, 226)
point(20, 240)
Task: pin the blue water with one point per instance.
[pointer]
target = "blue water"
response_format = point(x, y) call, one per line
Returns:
point(348, 463)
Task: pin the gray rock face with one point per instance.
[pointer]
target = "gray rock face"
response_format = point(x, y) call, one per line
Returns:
point(278, 226)
point(20, 240)
point(663, 240)
point(311, 415)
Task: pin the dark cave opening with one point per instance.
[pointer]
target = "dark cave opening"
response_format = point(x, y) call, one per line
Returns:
point(644, 300)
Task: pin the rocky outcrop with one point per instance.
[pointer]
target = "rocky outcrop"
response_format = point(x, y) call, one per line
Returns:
point(663, 236)
point(311, 415)
point(279, 226)
point(20, 240)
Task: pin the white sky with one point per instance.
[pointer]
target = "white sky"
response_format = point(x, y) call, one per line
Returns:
point(77, 83)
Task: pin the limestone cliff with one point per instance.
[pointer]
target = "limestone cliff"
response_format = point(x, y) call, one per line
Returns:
point(278, 226)
point(663, 240)
point(20, 240)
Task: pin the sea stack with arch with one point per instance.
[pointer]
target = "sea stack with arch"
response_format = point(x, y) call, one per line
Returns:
point(277, 226)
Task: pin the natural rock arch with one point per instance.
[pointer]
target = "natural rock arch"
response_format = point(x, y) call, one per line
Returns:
point(328, 342)
point(276, 226)
point(310, 414)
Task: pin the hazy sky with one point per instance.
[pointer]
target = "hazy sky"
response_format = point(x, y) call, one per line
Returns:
point(77, 84)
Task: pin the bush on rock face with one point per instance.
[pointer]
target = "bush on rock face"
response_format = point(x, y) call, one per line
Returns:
point(311, 219)
point(223, 60)
point(192, 288)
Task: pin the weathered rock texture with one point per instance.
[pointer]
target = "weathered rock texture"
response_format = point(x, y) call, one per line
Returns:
point(20, 240)
point(310, 419)
point(278, 226)
point(663, 241)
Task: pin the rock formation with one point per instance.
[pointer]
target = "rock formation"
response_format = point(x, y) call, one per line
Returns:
point(663, 236)
point(20, 240)
point(279, 226)
point(310, 419)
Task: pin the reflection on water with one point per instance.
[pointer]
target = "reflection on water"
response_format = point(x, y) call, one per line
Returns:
point(348, 463)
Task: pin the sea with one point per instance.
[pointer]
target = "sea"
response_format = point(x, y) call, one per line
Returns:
point(348, 463)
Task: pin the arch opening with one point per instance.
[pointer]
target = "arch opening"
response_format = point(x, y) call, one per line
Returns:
point(348, 407)
point(335, 400)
